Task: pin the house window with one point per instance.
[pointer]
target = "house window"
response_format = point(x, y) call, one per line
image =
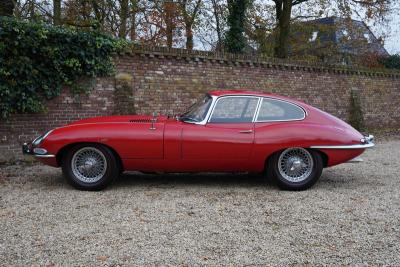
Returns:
point(313, 37)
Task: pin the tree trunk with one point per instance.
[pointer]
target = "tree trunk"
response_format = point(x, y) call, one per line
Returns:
point(278, 9)
point(189, 36)
point(124, 18)
point(57, 12)
point(169, 23)
point(6, 8)
point(282, 46)
point(133, 20)
point(217, 25)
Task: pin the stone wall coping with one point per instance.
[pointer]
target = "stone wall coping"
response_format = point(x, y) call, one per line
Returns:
point(254, 60)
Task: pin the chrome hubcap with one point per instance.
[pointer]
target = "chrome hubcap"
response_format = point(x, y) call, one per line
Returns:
point(89, 164)
point(295, 164)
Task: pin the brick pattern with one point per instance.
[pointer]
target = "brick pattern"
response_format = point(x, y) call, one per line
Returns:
point(60, 111)
point(166, 83)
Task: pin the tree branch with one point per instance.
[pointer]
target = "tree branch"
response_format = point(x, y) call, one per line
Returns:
point(296, 2)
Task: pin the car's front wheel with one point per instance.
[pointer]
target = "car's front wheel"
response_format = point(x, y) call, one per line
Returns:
point(295, 168)
point(90, 166)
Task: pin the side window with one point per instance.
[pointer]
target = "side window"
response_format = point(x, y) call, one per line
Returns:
point(276, 110)
point(234, 109)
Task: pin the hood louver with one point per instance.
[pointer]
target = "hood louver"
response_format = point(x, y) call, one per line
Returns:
point(140, 120)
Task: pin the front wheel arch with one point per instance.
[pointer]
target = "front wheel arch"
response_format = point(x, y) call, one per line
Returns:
point(63, 151)
point(90, 166)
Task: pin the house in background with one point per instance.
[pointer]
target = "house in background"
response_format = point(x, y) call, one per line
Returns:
point(335, 40)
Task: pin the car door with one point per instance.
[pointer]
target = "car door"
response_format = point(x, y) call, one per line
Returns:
point(228, 135)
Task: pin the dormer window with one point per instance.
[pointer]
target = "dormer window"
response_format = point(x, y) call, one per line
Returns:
point(313, 37)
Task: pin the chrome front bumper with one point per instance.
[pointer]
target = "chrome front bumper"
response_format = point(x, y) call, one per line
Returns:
point(28, 149)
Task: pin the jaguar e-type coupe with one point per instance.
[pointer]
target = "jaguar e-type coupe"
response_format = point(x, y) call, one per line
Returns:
point(225, 131)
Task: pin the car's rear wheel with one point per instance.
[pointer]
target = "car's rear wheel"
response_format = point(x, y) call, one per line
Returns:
point(90, 166)
point(295, 168)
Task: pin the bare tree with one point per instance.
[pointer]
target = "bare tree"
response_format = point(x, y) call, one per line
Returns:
point(189, 10)
point(217, 16)
point(134, 10)
point(99, 11)
point(169, 8)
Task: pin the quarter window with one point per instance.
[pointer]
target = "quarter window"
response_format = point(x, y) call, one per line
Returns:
point(234, 109)
point(276, 110)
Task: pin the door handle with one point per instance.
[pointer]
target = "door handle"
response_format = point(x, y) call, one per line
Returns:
point(246, 131)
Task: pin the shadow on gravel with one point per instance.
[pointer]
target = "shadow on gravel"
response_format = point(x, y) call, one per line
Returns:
point(330, 179)
point(53, 179)
point(133, 179)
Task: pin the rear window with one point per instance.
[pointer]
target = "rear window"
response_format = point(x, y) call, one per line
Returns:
point(278, 110)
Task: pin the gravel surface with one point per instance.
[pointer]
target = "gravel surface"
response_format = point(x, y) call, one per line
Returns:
point(350, 217)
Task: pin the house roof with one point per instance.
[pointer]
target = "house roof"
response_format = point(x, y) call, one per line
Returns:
point(351, 29)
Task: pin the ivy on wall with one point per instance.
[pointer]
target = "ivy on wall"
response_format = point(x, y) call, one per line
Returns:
point(36, 60)
point(355, 116)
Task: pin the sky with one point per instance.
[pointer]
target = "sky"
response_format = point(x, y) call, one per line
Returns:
point(392, 43)
point(392, 32)
point(392, 40)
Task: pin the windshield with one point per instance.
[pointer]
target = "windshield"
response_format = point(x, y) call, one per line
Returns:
point(198, 111)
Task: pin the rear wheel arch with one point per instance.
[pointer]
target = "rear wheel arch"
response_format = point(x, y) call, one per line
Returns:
point(288, 181)
point(324, 157)
point(63, 151)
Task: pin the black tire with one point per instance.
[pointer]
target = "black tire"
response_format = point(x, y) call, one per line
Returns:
point(107, 176)
point(285, 184)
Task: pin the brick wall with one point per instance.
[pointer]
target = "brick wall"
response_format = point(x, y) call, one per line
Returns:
point(167, 81)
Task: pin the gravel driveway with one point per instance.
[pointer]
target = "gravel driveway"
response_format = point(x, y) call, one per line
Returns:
point(351, 216)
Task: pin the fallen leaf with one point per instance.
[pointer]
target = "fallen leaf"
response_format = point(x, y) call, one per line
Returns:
point(102, 258)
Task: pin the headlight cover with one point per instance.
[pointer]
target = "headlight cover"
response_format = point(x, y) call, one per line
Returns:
point(40, 138)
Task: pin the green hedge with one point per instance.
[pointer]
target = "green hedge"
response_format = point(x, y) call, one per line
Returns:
point(391, 62)
point(36, 60)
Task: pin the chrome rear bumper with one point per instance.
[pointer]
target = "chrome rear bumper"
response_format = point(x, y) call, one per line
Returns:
point(365, 142)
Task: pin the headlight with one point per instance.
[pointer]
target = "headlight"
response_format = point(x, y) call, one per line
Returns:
point(39, 139)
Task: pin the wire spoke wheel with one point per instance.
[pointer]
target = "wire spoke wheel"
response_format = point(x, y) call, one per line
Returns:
point(89, 164)
point(295, 164)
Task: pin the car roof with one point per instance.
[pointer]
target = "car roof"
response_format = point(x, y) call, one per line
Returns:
point(251, 93)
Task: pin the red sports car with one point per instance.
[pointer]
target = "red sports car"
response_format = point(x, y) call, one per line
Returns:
point(225, 131)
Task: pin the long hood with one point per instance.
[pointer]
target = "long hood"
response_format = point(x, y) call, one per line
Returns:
point(119, 119)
